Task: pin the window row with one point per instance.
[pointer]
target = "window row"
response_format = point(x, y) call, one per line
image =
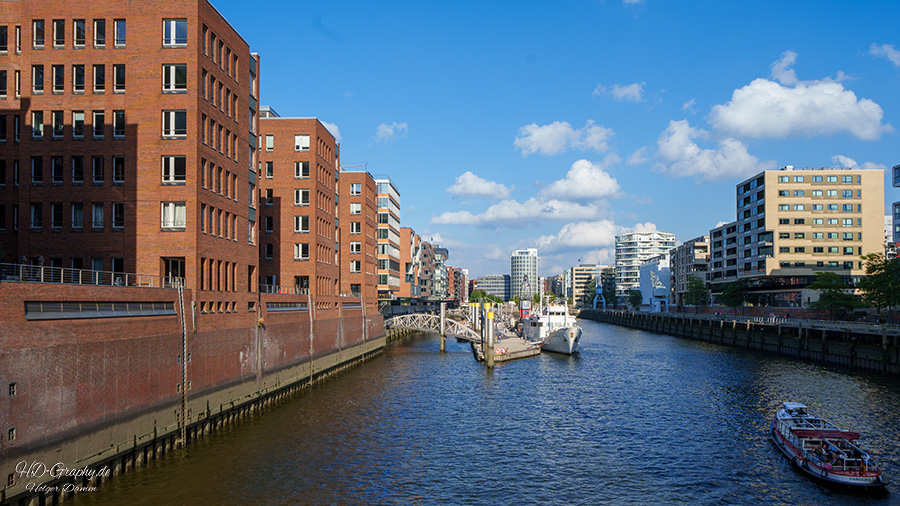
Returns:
point(219, 53)
point(844, 222)
point(820, 179)
point(844, 208)
point(58, 125)
point(218, 276)
point(72, 215)
point(845, 250)
point(218, 137)
point(58, 28)
point(218, 180)
point(218, 222)
point(832, 264)
point(846, 194)
point(57, 79)
point(58, 168)
point(301, 170)
point(301, 143)
point(847, 236)
point(220, 96)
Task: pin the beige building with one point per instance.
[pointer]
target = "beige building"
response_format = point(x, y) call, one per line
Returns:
point(691, 259)
point(793, 223)
point(582, 275)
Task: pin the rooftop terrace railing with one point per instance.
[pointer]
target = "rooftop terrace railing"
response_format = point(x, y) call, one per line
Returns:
point(22, 273)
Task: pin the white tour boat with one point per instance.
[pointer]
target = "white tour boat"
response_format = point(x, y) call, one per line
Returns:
point(822, 450)
point(554, 327)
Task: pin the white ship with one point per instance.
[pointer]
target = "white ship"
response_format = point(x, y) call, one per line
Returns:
point(554, 327)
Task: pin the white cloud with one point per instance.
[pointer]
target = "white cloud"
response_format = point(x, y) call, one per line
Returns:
point(689, 106)
point(520, 214)
point(493, 252)
point(719, 224)
point(389, 133)
point(470, 185)
point(682, 156)
point(588, 235)
point(623, 93)
point(886, 50)
point(638, 157)
point(335, 131)
point(850, 163)
point(794, 108)
point(558, 137)
point(584, 181)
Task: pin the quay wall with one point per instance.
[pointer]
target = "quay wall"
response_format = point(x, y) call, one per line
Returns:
point(873, 348)
point(114, 387)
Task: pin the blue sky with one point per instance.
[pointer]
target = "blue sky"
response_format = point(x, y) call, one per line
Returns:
point(557, 126)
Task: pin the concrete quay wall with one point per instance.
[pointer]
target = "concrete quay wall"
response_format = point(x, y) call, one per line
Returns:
point(875, 350)
point(105, 392)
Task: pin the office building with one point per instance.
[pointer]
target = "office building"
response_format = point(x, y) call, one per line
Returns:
point(523, 272)
point(495, 284)
point(690, 259)
point(581, 276)
point(632, 250)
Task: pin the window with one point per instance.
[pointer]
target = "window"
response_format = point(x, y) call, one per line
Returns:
point(99, 78)
point(119, 78)
point(301, 143)
point(99, 32)
point(799, 221)
point(848, 222)
point(783, 179)
point(831, 179)
point(59, 33)
point(269, 224)
point(97, 216)
point(3, 85)
point(56, 169)
point(37, 218)
point(355, 266)
point(118, 124)
point(174, 32)
point(268, 251)
point(270, 197)
point(173, 215)
point(118, 210)
point(79, 29)
point(817, 193)
point(818, 235)
point(355, 208)
point(270, 170)
point(58, 121)
point(175, 78)
point(78, 78)
point(270, 142)
point(355, 227)
point(846, 179)
point(17, 82)
point(37, 124)
point(37, 79)
point(817, 207)
point(784, 207)
point(817, 179)
point(99, 124)
point(37, 30)
point(77, 170)
point(798, 207)
point(848, 236)
point(800, 249)
point(847, 208)
point(4, 39)
point(798, 179)
point(97, 169)
point(355, 247)
point(784, 193)
point(118, 170)
point(120, 32)
point(301, 251)
point(77, 215)
point(356, 189)
point(798, 193)
point(301, 224)
point(173, 170)
point(301, 170)
point(78, 124)
point(301, 197)
point(175, 123)
point(59, 72)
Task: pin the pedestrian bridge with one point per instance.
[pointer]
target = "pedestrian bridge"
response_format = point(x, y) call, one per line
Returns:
point(432, 323)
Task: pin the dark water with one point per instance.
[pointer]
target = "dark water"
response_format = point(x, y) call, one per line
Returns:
point(636, 418)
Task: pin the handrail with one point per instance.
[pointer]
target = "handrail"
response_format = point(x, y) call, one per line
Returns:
point(24, 273)
point(283, 289)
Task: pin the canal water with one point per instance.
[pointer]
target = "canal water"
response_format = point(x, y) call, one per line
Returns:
point(635, 418)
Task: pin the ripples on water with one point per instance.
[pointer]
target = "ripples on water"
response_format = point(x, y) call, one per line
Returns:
point(635, 418)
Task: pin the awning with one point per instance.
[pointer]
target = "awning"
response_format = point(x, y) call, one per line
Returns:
point(826, 433)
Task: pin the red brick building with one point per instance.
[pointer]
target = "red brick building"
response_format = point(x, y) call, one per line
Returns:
point(126, 141)
point(356, 213)
point(298, 183)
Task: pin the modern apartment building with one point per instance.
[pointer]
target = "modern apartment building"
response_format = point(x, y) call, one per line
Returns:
point(357, 193)
point(793, 223)
point(460, 282)
point(495, 284)
point(581, 277)
point(127, 142)
point(896, 207)
point(440, 277)
point(523, 272)
point(388, 238)
point(411, 262)
point(299, 163)
point(426, 270)
point(632, 250)
point(690, 259)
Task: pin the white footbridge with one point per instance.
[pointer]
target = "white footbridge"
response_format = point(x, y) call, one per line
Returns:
point(432, 323)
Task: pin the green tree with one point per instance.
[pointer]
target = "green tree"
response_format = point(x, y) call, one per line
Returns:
point(609, 293)
point(734, 294)
point(833, 297)
point(536, 298)
point(590, 291)
point(881, 285)
point(697, 294)
point(477, 296)
point(634, 298)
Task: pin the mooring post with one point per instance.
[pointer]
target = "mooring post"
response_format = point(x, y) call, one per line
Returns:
point(443, 327)
point(489, 336)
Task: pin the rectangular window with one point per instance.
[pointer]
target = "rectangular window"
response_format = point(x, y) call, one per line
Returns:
point(77, 215)
point(80, 32)
point(798, 207)
point(120, 32)
point(99, 32)
point(355, 227)
point(817, 179)
point(270, 197)
point(37, 79)
point(799, 221)
point(270, 170)
point(3, 85)
point(848, 222)
point(119, 124)
point(355, 266)
point(118, 210)
point(175, 78)
point(99, 124)
point(301, 142)
point(783, 179)
point(173, 170)
point(119, 78)
point(174, 32)
point(817, 193)
point(268, 251)
point(798, 193)
point(58, 121)
point(56, 214)
point(59, 33)
point(56, 169)
point(4, 39)
point(77, 170)
point(97, 216)
point(784, 207)
point(301, 251)
point(59, 73)
point(355, 208)
point(78, 78)
point(356, 189)
point(18, 83)
point(301, 170)
point(97, 169)
point(301, 224)
point(173, 215)
point(37, 124)
point(831, 179)
point(355, 247)
point(99, 78)
point(175, 123)
point(37, 215)
point(301, 197)
point(798, 179)
point(78, 124)
point(118, 170)
point(270, 142)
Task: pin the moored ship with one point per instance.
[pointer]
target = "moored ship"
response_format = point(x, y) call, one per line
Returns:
point(554, 327)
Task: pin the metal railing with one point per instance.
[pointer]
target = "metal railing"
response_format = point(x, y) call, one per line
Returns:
point(60, 275)
point(283, 289)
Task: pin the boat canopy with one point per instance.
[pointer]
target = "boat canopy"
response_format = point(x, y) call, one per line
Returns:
point(795, 406)
point(825, 433)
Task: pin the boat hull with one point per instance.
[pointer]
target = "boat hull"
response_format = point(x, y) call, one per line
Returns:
point(564, 340)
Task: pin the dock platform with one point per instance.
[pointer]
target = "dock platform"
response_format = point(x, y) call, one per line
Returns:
point(509, 348)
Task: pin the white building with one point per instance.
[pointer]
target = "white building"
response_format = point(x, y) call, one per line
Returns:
point(634, 249)
point(654, 283)
point(523, 273)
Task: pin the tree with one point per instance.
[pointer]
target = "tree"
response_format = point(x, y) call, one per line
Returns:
point(832, 294)
point(590, 291)
point(609, 293)
point(536, 298)
point(881, 285)
point(697, 294)
point(734, 294)
point(477, 295)
point(634, 298)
